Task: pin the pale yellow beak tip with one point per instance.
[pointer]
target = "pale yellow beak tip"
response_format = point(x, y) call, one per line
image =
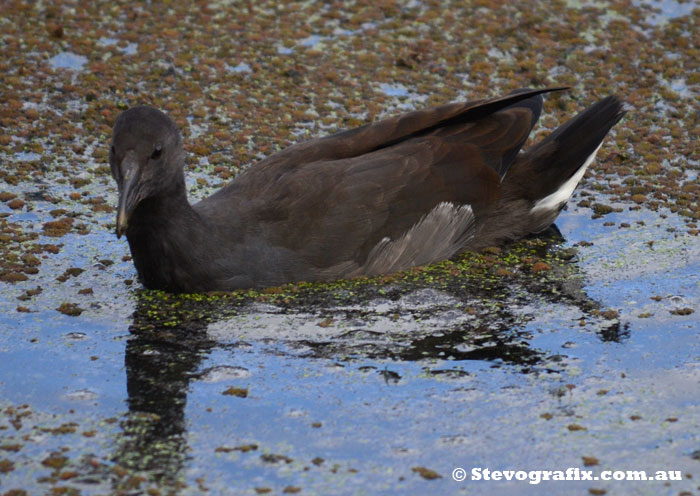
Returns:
point(122, 223)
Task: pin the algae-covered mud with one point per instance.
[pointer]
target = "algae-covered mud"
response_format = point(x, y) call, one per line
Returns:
point(578, 349)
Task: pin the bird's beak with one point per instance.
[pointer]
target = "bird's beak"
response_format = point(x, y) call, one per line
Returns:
point(128, 197)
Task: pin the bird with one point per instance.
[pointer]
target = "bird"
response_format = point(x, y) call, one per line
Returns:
point(401, 192)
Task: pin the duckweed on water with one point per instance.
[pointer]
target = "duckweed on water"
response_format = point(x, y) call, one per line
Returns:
point(242, 81)
point(57, 120)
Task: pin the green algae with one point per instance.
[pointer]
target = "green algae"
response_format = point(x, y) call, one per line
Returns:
point(438, 51)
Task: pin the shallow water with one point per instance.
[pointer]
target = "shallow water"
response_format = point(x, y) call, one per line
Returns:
point(364, 387)
point(343, 397)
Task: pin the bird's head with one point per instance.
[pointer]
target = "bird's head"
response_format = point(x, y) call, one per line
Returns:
point(146, 158)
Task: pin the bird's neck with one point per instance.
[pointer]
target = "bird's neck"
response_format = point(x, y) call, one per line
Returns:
point(155, 210)
point(168, 239)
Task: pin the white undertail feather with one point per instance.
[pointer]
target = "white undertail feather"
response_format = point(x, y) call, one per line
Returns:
point(438, 235)
point(558, 199)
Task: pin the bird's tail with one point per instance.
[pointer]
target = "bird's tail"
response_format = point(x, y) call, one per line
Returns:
point(547, 174)
point(543, 178)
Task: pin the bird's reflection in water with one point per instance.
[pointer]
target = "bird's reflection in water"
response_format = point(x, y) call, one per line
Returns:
point(162, 358)
point(499, 335)
point(160, 362)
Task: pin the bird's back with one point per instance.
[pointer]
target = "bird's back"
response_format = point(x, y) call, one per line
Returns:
point(362, 201)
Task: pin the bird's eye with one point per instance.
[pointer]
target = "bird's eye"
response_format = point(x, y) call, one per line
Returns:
point(113, 150)
point(156, 153)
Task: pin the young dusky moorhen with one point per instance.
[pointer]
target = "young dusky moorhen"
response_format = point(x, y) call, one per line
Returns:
point(406, 191)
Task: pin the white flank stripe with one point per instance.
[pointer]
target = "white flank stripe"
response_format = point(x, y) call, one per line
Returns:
point(557, 199)
point(438, 235)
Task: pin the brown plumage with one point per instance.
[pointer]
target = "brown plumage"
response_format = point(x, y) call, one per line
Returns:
point(405, 191)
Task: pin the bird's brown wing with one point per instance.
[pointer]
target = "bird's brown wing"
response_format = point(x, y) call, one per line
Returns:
point(385, 133)
point(331, 200)
point(333, 211)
